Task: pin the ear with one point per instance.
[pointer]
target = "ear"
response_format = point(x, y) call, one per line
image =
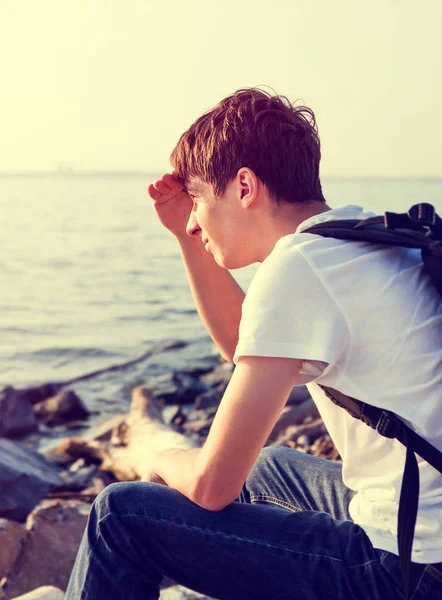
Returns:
point(248, 186)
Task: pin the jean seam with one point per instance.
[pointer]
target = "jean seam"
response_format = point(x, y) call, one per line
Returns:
point(418, 585)
point(273, 500)
point(228, 536)
point(434, 572)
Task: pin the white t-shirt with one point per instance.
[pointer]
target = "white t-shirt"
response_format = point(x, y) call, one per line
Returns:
point(366, 321)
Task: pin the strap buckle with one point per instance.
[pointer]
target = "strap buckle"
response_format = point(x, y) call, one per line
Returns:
point(389, 425)
point(420, 216)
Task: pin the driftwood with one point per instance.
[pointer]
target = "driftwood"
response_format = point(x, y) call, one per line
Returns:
point(46, 390)
point(134, 441)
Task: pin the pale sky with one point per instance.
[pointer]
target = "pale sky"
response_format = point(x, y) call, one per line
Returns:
point(111, 84)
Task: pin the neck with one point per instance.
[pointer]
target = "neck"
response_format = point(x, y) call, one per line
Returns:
point(285, 220)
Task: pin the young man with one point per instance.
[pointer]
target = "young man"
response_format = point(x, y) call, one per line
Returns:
point(357, 317)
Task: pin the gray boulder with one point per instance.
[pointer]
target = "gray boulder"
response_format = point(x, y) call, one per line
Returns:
point(38, 393)
point(16, 414)
point(175, 388)
point(25, 478)
point(12, 538)
point(55, 530)
point(65, 406)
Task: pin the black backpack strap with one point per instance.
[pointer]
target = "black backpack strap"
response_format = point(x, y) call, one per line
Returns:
point(420, 228)
point(389, 425)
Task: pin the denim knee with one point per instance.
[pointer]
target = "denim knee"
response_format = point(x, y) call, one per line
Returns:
point(111, 499)
point(270, 460)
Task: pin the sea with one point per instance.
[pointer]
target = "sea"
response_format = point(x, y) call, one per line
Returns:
point(90, 278)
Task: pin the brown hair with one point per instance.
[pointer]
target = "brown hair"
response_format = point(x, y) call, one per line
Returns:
point(251, 128)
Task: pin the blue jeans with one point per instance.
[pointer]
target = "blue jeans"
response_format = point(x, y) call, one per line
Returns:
point(288, 536)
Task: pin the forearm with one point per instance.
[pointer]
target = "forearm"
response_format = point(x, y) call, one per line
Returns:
point(218, 297)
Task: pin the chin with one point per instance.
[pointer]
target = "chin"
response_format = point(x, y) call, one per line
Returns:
point(232, 262)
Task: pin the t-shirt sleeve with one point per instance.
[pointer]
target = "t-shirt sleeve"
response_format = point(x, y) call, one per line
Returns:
point(288, 312)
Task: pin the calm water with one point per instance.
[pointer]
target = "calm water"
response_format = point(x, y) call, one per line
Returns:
point(90, 278)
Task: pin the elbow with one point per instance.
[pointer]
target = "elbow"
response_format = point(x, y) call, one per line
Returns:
point(227, 356)
point(213, 500)
point(228, 347)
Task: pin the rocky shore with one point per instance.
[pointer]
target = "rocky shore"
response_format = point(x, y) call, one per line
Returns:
point(45, 496)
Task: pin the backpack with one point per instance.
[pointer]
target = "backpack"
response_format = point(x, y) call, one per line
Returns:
point(420, 228)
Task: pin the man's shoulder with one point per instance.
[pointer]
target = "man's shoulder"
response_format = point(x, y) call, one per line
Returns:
point(345, 212)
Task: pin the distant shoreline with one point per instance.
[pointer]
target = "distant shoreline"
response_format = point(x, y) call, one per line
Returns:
point(149, 174)
point(73, 174)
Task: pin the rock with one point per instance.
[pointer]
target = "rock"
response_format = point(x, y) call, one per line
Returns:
point(298, 395)
point(212, 397)
point(312, 430)
point(16, 414)
point(55, 531)
point(47, 592)
point(202, 367)
point(78, 477)
point(303, 440)
point(65, 406)
point(221, 374)
point(41, 392)
point(175, 388)
point(200, 426)
point(25, 478)
point(12, 537)
point(178, 592)
point(294, 415)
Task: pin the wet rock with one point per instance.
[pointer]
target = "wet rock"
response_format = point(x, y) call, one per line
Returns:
point(201, 427)
point(221, 374)
point(12, 537)
point(55, 531)
point(39, 393)
point(81, 481)
point(212, 397)
point(16, 414)
point(178, 592)
point(303, 440)
point(298, 395)
point(176, 388)
point(65, 406)
point(202, 367)
point(78, 477)
point(25, 478)
point(47, 592)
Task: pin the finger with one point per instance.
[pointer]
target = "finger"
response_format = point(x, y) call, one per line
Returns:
point(153, 192)
point(162, 187)
point(170, 180)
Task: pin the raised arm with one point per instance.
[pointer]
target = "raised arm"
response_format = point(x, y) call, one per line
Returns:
point(218, 298)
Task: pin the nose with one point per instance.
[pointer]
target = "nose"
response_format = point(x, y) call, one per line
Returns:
point(192, 227)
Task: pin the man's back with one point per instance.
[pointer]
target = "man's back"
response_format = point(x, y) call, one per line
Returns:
point(368, 322)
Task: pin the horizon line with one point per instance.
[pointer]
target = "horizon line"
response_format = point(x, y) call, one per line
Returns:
point(126, 173)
